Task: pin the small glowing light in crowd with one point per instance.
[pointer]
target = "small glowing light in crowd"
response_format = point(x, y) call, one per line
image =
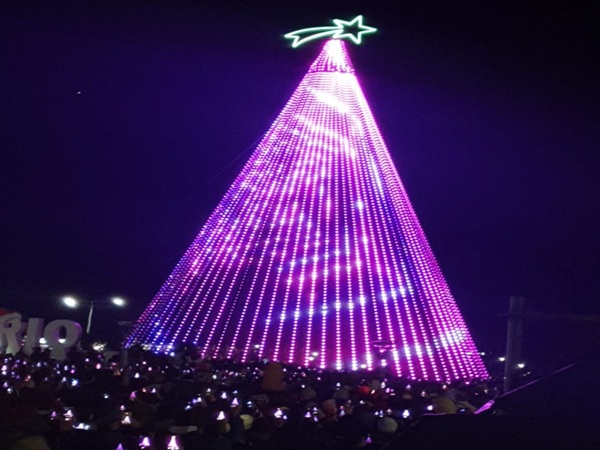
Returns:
point(278, 413)
point(74, 382)
point(221, 416)
point(521, 365)
point(99, 346)
point(137, 375)
point(145, 442)
point(405, 414)
point(126, 419)
point(68, 415)
point(224, 395)
point(43, 341)
point(119, 447)
point(368, 440)
point(173, 443)
point(429, 408)
point(502, 359)
point(235, 402)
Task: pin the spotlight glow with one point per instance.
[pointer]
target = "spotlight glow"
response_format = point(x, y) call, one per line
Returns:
point(118, 301)
point(315, 255)
point(70, 302)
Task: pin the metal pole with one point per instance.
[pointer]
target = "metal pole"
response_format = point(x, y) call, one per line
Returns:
point(514, 337)
point(89, 321)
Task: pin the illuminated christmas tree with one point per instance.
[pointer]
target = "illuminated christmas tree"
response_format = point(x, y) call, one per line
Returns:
point(315, 256)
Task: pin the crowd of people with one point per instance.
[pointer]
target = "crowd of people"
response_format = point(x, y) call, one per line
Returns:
point(179, 401)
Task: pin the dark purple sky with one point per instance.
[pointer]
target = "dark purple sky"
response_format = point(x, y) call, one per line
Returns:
point(123, 123)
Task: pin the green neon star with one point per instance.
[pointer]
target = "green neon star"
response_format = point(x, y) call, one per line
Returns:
point(347, 32)
point(343, 29)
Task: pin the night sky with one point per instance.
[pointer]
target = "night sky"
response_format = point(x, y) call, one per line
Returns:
point(123, 124)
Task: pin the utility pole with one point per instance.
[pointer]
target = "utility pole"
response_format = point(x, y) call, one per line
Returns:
point(514, 338)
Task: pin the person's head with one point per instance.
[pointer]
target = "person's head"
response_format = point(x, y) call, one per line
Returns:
point(387, 426)
point(307, 394)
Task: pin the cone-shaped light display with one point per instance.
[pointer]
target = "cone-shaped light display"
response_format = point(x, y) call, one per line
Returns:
point(315, 256)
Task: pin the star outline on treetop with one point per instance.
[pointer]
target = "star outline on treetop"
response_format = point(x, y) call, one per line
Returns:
point(357, 22)
point(341, 30)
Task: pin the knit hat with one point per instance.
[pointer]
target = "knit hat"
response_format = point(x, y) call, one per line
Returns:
point(247, 419)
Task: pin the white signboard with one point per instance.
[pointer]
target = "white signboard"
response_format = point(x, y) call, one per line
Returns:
point(60, 335)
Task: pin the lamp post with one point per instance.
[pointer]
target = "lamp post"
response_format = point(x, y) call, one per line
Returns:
point(72, 302)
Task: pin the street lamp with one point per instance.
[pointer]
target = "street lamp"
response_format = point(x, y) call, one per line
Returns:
point(72, 302)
